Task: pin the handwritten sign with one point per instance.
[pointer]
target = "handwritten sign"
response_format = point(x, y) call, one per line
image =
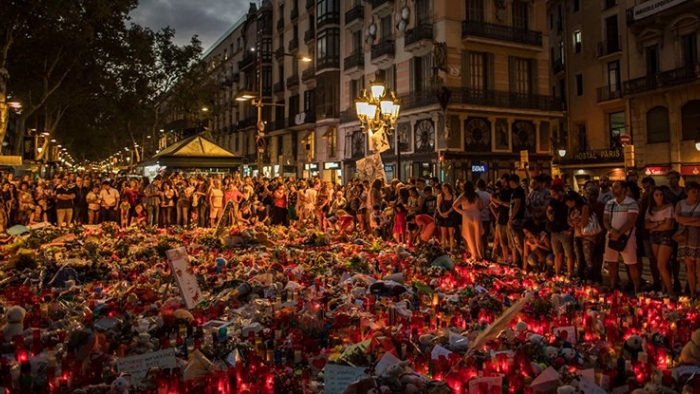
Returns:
point(338, 377)
point(138, 366)
point(184, 277)
point(589, 387)
point(566, 334)
point(485, 384)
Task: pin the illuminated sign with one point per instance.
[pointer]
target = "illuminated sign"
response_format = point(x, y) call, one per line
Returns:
point(311, 166)
point(480, 168)
point(331, 165)
point(656, 171)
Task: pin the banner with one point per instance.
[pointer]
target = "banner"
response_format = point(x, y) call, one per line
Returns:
point(371, 168)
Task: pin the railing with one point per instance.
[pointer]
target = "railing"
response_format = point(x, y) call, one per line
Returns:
point(666, 78)
point(294, 44)
point(293, 81)
point(386, 47)
point(327, 110)
point(328, 18)
point(309, 117)
point(506, 99)
point(379, 3)
point(295, 13)
point(418, 99)
point(355, 13)
point(327, 62)
point(420, 32)
point(309, 35)
point(310, 4)
point(247, 60)
point(278, 87)
point(608, 47)
point(501, 32)
point(307, 74)
point(607, 93)
point(279, 53)
point(357, 59)
point(280, 23)
point(557, 65)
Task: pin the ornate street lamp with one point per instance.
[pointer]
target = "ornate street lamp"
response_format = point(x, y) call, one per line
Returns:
point(378, 109)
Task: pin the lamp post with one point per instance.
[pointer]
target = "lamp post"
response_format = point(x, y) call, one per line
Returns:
point(379, 111)
point(257, 101)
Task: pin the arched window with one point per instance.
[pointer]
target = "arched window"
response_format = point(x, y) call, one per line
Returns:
point(658, 129)
point(690, 119)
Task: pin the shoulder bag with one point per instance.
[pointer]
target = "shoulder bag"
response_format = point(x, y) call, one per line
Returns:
point(620, 243)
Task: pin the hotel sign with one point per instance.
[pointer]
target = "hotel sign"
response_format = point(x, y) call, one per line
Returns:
point(594, 157)
point(649, 8)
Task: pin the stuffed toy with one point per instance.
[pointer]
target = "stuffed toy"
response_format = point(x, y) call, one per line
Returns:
point(551, 352)
point(15, 322)
point(363, 386)
point(632, 347)
point(120, 385)
point(690, 354)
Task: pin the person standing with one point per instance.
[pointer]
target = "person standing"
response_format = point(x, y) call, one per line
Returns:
point(500, 202)
point(470, 205)
point(447, 217)
point(216, 202)
point(485, 214)
point(152, 193)
point(560, 232)
point(65, 195)
point(659, 221)
point(280, 211)
point(109, 198)
point(619, 219)
point(606, 193)
point(516, 218)
point(688, 216)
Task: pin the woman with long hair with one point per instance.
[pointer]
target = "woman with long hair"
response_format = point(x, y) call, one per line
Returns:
point(447, 216)
point(400, 213)
point(659, 221)
point(323, 201)
point(580, 217)
point(167, 203)
point(469, 205)
point(688, 217)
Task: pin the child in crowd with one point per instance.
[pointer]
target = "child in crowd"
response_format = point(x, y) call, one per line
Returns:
point(138, 217)
point(124, 210)
point(378, 222)
point(537, 248)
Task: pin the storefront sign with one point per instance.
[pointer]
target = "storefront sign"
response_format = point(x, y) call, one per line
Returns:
point(480, 168)
point(594, 157)
point(311, 166)
point(690, 170)
point(656, 171)
point(388, 167)
point(331, 165)
point(650, 8)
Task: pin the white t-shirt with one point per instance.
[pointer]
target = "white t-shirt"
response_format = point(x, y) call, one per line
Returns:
point(620, 211)
point(657, 216)
point(486, 199)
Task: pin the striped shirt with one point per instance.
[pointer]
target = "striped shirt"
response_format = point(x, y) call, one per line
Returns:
point(619, 211)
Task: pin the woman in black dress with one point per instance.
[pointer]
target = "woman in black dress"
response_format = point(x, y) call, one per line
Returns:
point(448, 218)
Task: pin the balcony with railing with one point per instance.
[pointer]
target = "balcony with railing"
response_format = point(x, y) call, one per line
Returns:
point(328, 18)
point(354, 63)
point(308, 74)
point(278, 87)
point(248, 60)
point(280, 23)
point(557, 65)
point(609, 47)
point(506, 99)
point(293, 81)
point(382, 7)
point(383, 52)
point(354, 16)
point(325, 62)
point(279, 53)
point(608, 93)
point(309, 36)
point(492, 31)
point(418, 37)
point(295, 13)
point(293, 44)
point(669, 78)
point(418, 99)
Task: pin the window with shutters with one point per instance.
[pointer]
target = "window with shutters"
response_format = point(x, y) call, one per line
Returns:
point(357, 41)
point(386, 28)
point(423, 13)
point(521, 76)
point(521, 15)
point(420, 72)
point(477, 70)
point(616, 126)
point(578, 43)
point(582, 137)
point(293, 105)
point(309, 100)
point(390, 78)
point(475, 10)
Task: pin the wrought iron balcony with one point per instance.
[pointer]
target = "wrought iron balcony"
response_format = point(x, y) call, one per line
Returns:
point(663, 79)
point(309, 35)
point(417, 34)
point(310, 4)
point(279, 53)
point(294, 44)
point(355, 14)
point(557, 65)
point(384, 48)
point(327, 62)
point(356, 60)
point(608, 47)
point(327, 19)
point(500, 32)
point(418, 99)
point(295, 13)
point(280, 23)
point(248, 60)
point(278, 87)
point(506, 99)
point(293, 81)
point(308, 74)
point(379, 3)
point(607, 93)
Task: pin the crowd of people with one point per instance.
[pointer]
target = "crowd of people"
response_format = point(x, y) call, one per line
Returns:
point(537, 224)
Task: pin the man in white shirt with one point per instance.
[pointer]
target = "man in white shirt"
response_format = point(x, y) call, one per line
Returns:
point(110, 200)
point(620, 217)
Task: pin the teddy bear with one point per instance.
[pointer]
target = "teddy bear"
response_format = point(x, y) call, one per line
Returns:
point(15, 322)
point(632, 347)
point(120, 385)
point(690, 354)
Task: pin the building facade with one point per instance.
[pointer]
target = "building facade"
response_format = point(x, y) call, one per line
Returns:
point(629, 72)
point(490, 59)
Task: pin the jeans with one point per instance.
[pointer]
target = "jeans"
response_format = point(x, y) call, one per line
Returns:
point(584, 249)
point(109, 214)
point(202, 217)
point(486, 227)
point(152, 211)
point(183, 215)
point(64, 215)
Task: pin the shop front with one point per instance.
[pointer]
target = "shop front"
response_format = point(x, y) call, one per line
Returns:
point(690, 172)
point(311, 170)
point(658, 173)
point(490, 167)
point(332, 171)
point(579, 167)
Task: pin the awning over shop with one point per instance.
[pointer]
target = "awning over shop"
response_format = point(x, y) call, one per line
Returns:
point(194, 152)
point(10, 160)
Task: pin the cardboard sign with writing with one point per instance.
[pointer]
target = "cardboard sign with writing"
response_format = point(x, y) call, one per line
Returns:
point(338, 377)
point(184, 277)
point(138, 366)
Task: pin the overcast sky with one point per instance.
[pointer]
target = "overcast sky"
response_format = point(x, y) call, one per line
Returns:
point(208, 19)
